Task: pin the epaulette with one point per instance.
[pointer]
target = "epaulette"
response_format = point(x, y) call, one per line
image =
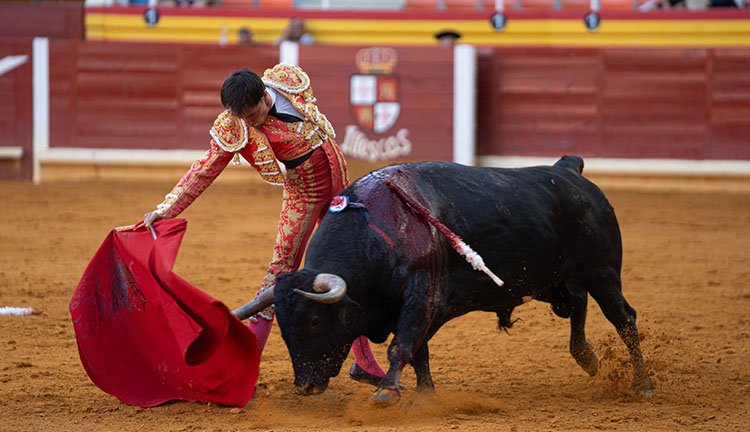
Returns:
point(295, 83)
point(230, 132)
point(287, 78)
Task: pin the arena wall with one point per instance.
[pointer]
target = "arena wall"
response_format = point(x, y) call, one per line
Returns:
point(656, 106)
point(140, 96)
point(16, 130)
point(153, 103)
point(145, 103)
point(50, 20)
point(424, 89)
point(667, 103)
point(663, 89)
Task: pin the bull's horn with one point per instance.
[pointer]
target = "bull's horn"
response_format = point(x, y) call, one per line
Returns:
point(332, 288)
point(260, 302)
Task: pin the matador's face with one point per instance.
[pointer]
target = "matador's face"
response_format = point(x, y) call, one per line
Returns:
point(256, 115)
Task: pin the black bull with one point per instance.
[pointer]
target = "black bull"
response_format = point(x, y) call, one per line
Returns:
point(378, 267)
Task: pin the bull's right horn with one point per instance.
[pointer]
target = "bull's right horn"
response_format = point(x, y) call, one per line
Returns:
point(260, 302)
point(332, 288)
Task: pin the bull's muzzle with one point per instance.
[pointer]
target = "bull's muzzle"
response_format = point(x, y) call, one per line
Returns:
point(307, 389)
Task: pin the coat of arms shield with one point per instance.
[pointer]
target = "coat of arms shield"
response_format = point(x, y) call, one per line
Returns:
point(373, 94)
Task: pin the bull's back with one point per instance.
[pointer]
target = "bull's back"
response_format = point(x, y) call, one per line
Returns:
point(526, 220)
point(526, 197)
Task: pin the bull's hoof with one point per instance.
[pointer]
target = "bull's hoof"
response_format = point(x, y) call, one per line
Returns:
point(309, 389)
point(386, 396)
point(588, 362)
point(586, 359)
point(643, 388)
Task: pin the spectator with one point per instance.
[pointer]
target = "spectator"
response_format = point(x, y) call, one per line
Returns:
point(696, 4)
point(650, 5)
point(244, 36)
point(740, 4)
point(447, 38)
point(295, 32)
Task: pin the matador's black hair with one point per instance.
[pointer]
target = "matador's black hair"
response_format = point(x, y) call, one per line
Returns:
point(242, 90)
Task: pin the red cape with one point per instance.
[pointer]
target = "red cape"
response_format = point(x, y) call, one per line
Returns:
point(147, 336)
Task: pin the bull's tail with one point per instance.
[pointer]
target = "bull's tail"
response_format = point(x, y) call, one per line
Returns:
point(571, 163)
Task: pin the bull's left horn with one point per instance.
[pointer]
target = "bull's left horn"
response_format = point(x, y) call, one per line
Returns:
point(332, 288)
point(260, 302)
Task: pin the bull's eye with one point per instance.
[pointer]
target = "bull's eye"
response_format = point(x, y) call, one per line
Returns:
point(315, 322)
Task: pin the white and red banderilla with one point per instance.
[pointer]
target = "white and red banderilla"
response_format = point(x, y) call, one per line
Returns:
point(471, 256)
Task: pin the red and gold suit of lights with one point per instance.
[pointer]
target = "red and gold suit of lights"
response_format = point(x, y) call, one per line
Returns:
point(308, 188)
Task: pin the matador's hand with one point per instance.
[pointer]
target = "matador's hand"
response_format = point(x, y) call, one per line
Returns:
point(150, 218)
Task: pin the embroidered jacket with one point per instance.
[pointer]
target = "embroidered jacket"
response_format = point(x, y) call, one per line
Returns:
point(262, 147)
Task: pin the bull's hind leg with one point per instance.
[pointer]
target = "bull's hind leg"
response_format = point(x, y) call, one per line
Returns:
point(580, 348)
point(605, 286)
point(421, 364)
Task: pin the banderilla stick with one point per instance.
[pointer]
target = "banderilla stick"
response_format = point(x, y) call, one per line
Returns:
point(473, 258)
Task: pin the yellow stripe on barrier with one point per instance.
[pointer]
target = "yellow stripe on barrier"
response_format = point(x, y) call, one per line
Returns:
point(536, 32)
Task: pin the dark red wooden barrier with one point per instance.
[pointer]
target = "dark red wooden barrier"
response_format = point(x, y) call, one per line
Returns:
point(141, 96)
point(624, 103)
point(52, 20)
point(16, 112)
point(148, 96)
point(418, 80)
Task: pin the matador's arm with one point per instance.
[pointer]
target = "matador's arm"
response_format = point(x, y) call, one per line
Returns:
point(200, 176)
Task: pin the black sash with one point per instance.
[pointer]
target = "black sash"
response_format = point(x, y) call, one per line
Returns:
point(294, 163)
point(288, 118)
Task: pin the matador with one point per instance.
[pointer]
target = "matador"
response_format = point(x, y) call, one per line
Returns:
point(274, 123)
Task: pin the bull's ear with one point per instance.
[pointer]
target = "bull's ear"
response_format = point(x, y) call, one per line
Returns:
point(347, 312)
point(348, 300)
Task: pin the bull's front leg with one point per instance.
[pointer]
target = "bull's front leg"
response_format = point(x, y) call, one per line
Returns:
point(389, 390)
point(390, 393)
point(408, 346)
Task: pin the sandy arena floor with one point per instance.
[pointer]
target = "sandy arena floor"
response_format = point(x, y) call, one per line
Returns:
point(686, 271)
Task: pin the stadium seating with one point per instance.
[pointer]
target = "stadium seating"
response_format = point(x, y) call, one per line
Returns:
point(431, 5)
point(525, 5)
point(264, 4)
point(351, 4)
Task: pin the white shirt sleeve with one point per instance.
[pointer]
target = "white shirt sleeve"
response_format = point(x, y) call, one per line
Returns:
point(283, 105)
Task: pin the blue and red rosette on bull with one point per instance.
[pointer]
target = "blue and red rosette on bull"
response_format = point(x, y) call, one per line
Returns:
point(338, 204)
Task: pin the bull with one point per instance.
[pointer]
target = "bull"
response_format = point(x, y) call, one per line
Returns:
point(379, 268)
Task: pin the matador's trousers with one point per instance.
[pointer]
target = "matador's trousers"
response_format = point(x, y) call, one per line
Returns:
point(308, 190)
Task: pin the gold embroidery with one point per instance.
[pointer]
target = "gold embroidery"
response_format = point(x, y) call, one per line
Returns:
point(125, 228)
point(171, 197)
point(230, 132)
point(287, 78)
point(313, 134)
point(294, 84)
